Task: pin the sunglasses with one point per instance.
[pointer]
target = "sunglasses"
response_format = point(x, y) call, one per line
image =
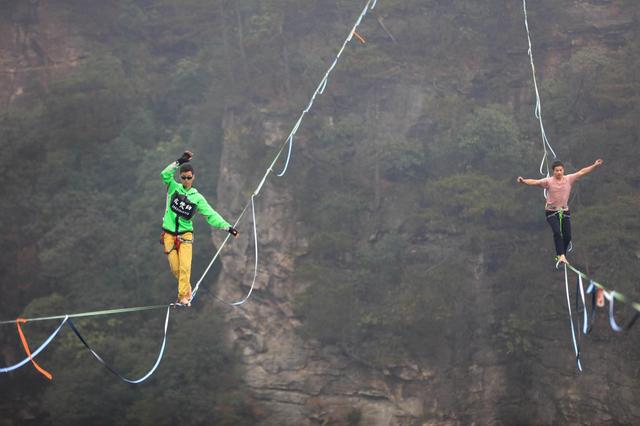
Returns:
point(186, 177)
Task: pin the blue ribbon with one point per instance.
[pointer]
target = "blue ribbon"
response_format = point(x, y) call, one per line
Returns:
point(573, 331)
point(37, 351)
point(585, 316)
point(546, 146)
point(320, 88)
point(610, 296)
point(255, 267)
point(111, 369)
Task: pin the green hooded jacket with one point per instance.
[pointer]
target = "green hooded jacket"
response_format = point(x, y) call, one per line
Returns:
point(190, 200)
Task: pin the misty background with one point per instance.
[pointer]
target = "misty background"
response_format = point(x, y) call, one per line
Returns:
point(405, 278)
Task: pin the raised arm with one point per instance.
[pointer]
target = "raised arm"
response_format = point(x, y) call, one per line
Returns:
point(530, 182)
point(589, 169)
point(167, 172)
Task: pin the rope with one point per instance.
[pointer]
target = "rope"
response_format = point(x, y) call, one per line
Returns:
point(255, 268)
point(546, 146)
point(370, 5)
point(288, 142)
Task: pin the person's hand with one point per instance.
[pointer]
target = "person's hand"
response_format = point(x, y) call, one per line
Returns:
point(598, 162)
point(233, 231)
point(186, 157)
point(520, 179)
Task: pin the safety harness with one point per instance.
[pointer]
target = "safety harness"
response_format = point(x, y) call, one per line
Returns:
point(561, 214)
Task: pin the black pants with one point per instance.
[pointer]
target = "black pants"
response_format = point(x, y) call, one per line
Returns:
point(561, 229)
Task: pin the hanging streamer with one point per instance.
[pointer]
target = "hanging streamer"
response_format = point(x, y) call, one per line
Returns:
point(31, 356)
point(573, 331)
point(612, 320)
point(585, 316)
point(592, 291)
point(25, 345)
point(103, 362)
point(359, 37)
point(611, 296)
point(286, 164)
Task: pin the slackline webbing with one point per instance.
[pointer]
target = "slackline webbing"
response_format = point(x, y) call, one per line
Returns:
point(610, 295)
point(66, 319)
point(546, 146)
point(288, 142)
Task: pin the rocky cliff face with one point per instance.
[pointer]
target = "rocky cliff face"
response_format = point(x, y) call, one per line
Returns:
point(35, 47)
point(298, 381)
point(301, 382)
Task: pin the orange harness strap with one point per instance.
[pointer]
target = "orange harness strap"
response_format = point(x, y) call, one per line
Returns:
point(25, 345)
point(176, 242)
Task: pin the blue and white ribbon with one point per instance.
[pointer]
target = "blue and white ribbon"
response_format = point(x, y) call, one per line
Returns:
point(573, 331)
point(546, 146)
point(37, 351)
point(115, 372)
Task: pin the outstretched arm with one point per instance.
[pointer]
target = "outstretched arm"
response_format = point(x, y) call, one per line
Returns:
point(530, 182)
point(589, 169)
point(213, 217)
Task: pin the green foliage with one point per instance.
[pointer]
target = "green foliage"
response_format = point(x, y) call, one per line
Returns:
point(471, 199)
point(490, 142)
point(194, 375)
point(87, 150)
point(414, 222)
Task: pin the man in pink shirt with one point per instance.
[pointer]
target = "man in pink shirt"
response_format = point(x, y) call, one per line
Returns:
point(556, 208)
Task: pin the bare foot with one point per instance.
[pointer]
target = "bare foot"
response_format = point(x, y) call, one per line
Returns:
point(599, 298)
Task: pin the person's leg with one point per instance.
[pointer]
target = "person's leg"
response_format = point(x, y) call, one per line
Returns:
point(184, 257)
point(172, 255)
point(566, 230)
point(554, 222)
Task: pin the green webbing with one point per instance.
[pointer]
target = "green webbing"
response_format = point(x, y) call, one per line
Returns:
point(560, 217)
point(619, 296)
point(91, 314)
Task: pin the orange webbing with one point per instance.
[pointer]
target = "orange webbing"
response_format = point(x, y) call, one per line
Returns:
point(359, 37)
point(44, 372)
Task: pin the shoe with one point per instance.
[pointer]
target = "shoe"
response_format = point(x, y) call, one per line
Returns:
point(599, 297)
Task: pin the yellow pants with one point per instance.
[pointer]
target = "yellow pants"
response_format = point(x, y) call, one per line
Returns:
point(180, 261)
